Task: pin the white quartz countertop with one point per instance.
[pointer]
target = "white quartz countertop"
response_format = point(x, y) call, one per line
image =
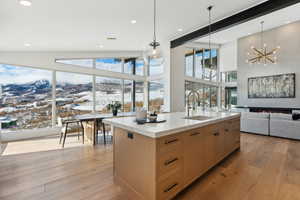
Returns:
point(175, 123)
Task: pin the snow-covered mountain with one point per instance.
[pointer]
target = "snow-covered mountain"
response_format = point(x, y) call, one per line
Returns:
point(36, 87)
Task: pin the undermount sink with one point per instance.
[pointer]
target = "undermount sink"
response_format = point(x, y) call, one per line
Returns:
point(200, 118)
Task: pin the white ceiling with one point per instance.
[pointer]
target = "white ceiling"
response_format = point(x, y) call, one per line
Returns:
point(78, 25)
point(272, 20)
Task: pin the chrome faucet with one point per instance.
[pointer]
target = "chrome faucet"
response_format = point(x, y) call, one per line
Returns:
point(196, 96)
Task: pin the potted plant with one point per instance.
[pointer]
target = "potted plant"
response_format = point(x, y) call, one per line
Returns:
point(114, 107)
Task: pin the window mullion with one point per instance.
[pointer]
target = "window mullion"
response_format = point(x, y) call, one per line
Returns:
point(133, 85)
point(194, 63)
point(122, 93)
point(133, 95)
point(54, 111)
point(94, 87)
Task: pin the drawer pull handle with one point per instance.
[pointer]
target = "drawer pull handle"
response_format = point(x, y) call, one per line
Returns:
point(171, 141)
point(216, 134)
point(170, 187)
point(168, 162)
point(197, 133)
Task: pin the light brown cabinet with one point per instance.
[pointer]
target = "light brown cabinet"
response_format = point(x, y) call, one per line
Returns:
point(194, 154)
point(157, 169)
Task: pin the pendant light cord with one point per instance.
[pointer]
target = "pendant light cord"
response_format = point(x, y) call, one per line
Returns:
point(209, 27)
point(154, 20)
point(262, 35)
point(209, 35)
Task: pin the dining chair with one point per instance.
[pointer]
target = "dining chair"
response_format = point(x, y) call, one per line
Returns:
point(67, 127)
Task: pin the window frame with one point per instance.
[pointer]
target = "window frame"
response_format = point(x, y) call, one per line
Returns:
point(94, 73)
point(211, 83)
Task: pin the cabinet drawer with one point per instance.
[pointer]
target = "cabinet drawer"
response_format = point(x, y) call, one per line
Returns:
point(214, 129)
point(170, 143)
point(230, 125)
point(168, 188)
point(168, 163)
point(234, 124)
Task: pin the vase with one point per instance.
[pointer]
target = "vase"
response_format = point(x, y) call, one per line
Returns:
point(115, 112)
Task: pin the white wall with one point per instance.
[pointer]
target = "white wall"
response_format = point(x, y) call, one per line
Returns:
point(167, 75)
point(177, 79)
point(228, 56)
point(288, 62)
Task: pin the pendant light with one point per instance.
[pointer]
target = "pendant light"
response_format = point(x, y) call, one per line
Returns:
point(154, 50)
point(210, 65)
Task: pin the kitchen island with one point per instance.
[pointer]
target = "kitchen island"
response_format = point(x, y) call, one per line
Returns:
point(157, 161)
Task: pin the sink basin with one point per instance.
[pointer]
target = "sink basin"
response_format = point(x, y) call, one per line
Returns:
point(200, 118)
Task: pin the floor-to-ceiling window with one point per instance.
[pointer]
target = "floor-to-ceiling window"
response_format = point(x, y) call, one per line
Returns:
point(156, 86)
point(139, 67)
point(109, 64)
point(202, 64)
point(108, 90)
point(139, 94)
point(229, 97)
point(199, 64)
point(210, 64)
point(156, 96)
point(202, 96)
point(25, 97)
point(128, 92)
point(156, 66)
point(202, 67)
point(229, 90)
point(74, 94)
point(129, 66)
point(189, 63)
point(229, 77)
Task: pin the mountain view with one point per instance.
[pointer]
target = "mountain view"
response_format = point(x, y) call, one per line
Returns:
point(26, 96)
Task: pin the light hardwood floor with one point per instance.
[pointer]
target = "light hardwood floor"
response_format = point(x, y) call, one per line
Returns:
point(265, 169)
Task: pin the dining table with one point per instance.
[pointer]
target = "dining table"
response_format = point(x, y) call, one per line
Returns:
point(97, 120)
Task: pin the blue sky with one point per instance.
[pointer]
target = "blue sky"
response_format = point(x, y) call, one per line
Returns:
point(12, 74)
point(206, 53)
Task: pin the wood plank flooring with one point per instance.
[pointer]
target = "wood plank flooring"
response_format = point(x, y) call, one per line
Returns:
point(265, 168)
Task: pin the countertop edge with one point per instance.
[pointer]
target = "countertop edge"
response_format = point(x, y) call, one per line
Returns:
point(171, 131)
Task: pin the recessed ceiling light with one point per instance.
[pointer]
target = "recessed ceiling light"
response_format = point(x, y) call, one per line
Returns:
point(133, 21)
point(27, 44)
point(101, 46)
point(180, 30)
point(287, 22)
point(25, 2)
point(249, 33)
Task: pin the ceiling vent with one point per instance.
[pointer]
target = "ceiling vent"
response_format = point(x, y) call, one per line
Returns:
point(111, 36)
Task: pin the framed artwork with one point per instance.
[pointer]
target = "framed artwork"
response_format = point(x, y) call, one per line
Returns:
point(276, 86)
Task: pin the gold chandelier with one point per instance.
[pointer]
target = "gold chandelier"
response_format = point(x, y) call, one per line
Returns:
point(262, 55)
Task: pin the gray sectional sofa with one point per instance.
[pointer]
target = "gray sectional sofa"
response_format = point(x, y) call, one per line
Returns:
point(273, 124)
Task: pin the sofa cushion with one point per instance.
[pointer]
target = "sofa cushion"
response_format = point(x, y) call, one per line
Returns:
point(255, 115)
point(253, 122)
point(285, 128)
point(280, 116)
point(296, 111)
